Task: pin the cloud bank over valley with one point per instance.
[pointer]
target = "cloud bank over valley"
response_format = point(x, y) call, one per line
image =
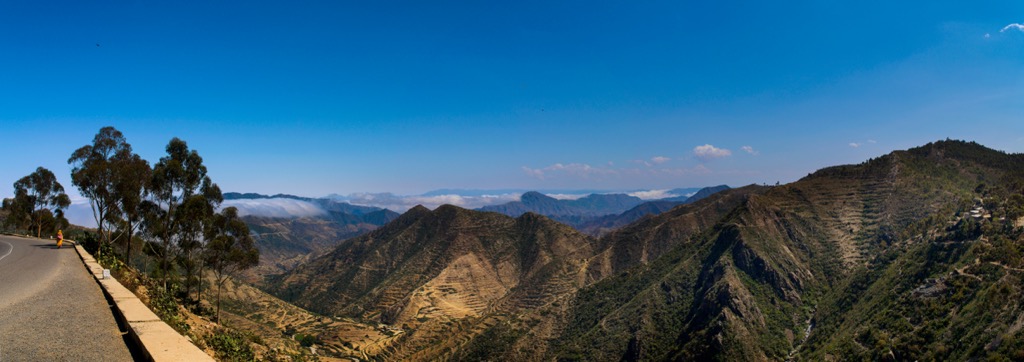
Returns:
point(276, 207)
point(80, 212)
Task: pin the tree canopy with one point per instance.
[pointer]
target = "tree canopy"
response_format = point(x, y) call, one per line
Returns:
point(93, 173)
point(38, 203)
point(182, 199)
point(131, 184)
point(230, 247)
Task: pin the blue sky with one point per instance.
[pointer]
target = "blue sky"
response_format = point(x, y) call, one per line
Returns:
point(313, 98)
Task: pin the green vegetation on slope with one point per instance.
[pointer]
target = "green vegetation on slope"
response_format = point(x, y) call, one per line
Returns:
point(913, 255)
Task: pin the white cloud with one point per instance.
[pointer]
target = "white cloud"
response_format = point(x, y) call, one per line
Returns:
point(660, 159)
point(1014, 26)
point(652, 194)
point(750, 150)
point(80, 212)
point(567, 196)
point(279, 207)
point(859, 144)
point(987, 35)
point(708, 152)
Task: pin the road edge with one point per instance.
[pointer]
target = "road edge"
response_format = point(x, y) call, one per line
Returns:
point(157, 340)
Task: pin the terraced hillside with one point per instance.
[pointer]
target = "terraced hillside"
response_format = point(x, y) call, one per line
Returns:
point(440, 272)
point(799, 258)
point(286, 330)
point(913, 255)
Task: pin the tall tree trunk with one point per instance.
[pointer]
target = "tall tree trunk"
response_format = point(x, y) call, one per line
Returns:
point(100, 213)
point(186, 263)
point(199, 286)
point(167, 244)
point(220, 285)
point(128, 245)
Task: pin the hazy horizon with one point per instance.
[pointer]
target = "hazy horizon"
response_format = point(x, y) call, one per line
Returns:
point(80, 212)
point(372, 98)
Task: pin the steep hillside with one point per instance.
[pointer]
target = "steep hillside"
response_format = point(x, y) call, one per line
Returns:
point(290, 237)
point(815, 259)
point(287, 242)
point(915, 255)
point(444, 274)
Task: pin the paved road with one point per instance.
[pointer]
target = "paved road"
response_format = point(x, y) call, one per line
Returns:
point(50, 307)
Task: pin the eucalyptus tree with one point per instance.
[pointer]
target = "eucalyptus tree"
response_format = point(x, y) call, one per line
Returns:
point(93, 173)
point(131, 183)
point(41, 197)
point(179, 177)
point(194, 217)
point(230, 248)
point(19, 211)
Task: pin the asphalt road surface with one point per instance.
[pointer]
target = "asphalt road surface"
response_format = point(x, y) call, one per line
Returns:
point(50, 307)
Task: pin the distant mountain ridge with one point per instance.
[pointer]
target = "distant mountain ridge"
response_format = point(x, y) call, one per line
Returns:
point(589, 206)
point(603, 225)
point(288, 241)
point(702, 193)
point(597, 214)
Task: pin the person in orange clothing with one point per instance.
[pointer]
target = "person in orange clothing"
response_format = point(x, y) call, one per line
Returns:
point(60, 239)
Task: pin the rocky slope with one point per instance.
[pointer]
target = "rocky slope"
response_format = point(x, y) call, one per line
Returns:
point(285, 242)
point(915, 255)
point(824, 268)
point(443, 272)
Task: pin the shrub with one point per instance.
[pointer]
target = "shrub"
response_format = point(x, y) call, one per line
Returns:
point(231, 345)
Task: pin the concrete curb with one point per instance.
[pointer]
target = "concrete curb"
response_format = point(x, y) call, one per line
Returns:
point(157, 340)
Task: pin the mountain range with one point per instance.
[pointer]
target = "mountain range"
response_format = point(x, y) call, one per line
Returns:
point(602, 225)
point(596, 214)
point(290, 238)
point(290, 229)
point(915, 255)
